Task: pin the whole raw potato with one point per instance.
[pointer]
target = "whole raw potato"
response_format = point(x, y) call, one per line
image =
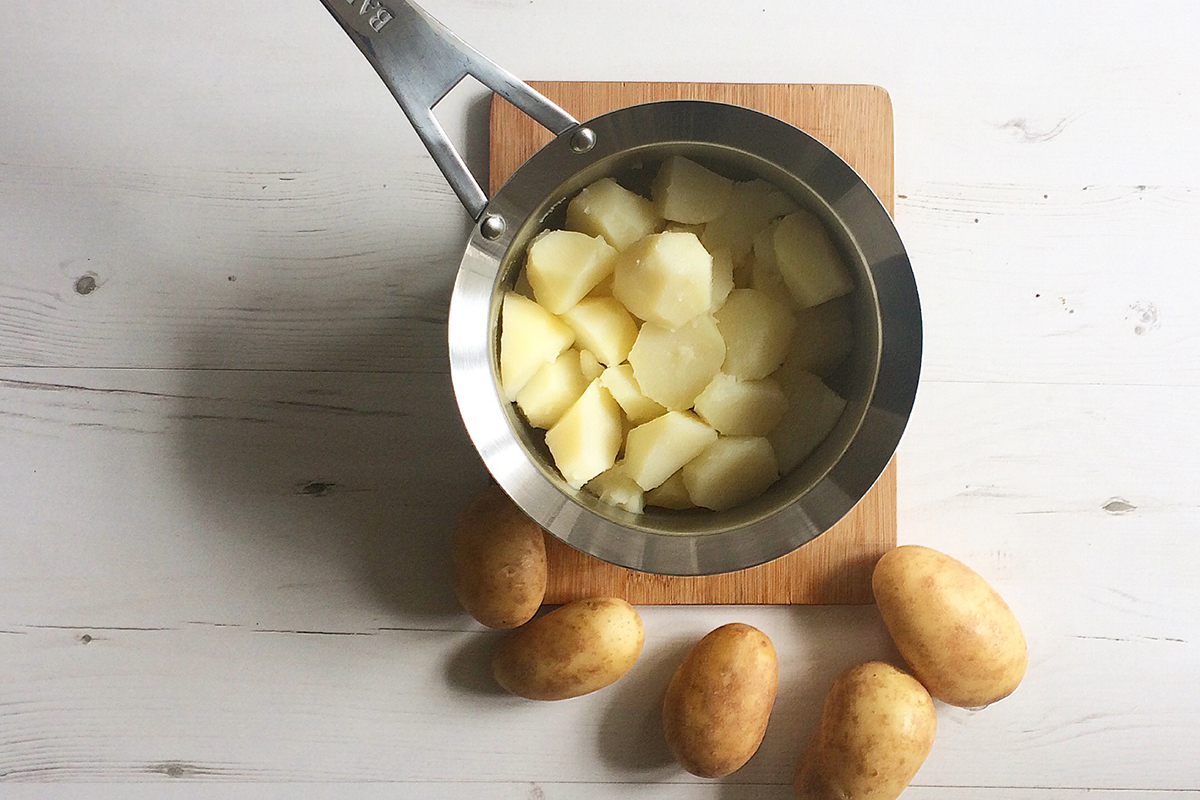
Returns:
point(960, 638)
point(499, 558)
point(875, 731)
point(578, 648)
point(718, 702)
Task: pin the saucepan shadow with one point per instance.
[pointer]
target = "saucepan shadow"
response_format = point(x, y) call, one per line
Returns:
point(317, 426)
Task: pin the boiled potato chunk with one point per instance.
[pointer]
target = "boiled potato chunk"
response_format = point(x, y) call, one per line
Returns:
point(654, 451)
point(824, 337)
point(563, 266)
point(586, 440)
point(752, 206)
point(578, 648)
point(813, 411)
point(671, 494)
point(764, 269)
point(683, 191)
point(499, 559)
point(722, 278)
point(876, 728)
point(673, 367)
point(552, 390)
point(958, 635)
point(610, 210)
point(732, 470)
point(719, 700)
point(741, 408)
point(589, 365)
point(530, 337)
point(623, 386)
point(615, 487)
point(602, 327)
point(809, 261)
point(757, 332)
point(665, 278)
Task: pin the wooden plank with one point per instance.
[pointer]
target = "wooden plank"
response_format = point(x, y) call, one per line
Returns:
point(856, 123)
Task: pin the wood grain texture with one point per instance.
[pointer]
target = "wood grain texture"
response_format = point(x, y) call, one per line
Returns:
point(856, 123)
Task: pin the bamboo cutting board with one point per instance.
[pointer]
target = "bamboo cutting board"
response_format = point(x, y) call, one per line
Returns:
point(856, 123)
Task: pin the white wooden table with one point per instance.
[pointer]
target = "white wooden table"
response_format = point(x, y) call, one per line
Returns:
point(229, 453)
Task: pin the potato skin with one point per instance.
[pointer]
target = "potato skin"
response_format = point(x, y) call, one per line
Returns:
point(956, 633)
point(718, 702)
point(578, 648)
point(875, 731)
point(499, 559)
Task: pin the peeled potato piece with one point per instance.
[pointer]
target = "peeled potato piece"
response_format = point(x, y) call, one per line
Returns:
point(757, 332)
point(552, 390)
point(530, 337)
point(813, 411)
point(671, 494)
point(585, 441)
point(666, 278)
point(656, 450)
point(610, 210)
point(563, 266)
point(732, 470)
point(672, 367)
point(679, 227)
point(603, 327)
point(722, 278)
point(589, 365)
point(764, 268)
point(741, 408)
point(809, 262)
point(616, 488)
point(623, 386)
point(683, 191)
point(824, 337)
point(752, 206)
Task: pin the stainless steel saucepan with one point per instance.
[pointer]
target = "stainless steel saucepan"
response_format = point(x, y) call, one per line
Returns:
point(420, 61)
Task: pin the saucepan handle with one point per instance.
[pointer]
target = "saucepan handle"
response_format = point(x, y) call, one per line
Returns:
point(420, 60)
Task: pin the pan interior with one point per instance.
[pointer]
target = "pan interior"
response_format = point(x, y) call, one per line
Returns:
point(855, 379)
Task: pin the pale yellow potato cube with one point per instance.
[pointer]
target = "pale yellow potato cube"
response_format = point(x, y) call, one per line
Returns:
point(813, 411)
point(683, 191)
point(665, 278)
point(563, 266)
point(824, 337)
point(602, 327)
point(764, 275)
point(809, 261)
point(757, 332)
point(585, 440)
point(671, 494)
point(741, 408)
point(672, 367)
point(552, 389)
point(752, 206)
point(730, 471)
point(657, 449)
point(530, 337)
point(722, 278)
point(616, 488)
point(590, 366)
point(623, 386)
point(610, 210)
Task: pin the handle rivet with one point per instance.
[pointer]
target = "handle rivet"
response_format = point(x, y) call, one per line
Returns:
point(492, 227)
point(583, 140)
